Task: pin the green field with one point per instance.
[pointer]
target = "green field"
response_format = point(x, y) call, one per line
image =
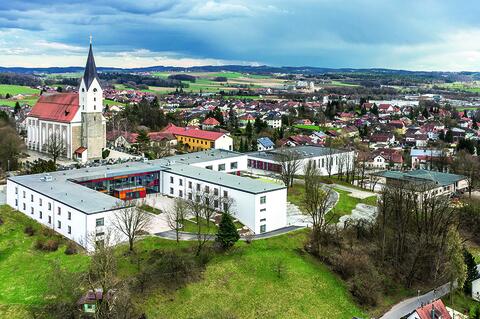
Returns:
point(471, 87)
point(240, 284)
point(339, 83)
point(17, 89)
point(29, 101)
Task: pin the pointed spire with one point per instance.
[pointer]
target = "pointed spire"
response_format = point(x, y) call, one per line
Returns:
point(90, 69)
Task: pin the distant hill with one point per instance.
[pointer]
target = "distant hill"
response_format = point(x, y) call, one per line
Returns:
point(263, 69)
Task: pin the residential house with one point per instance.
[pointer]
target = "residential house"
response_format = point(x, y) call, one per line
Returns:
point(197, 140)
point(265, 144)
point(210, 123)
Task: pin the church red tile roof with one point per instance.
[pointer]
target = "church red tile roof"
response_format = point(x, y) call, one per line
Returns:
point(59, 107)
point(195, 133)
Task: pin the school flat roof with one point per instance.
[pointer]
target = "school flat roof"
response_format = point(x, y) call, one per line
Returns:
point(64, 189)
point(304, 152)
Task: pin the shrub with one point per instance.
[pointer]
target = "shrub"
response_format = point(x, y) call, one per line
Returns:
point(1, 221)
point(366, 287)
point(71, 248)
point(29, 230)
point(46, 244)
point(48, 232)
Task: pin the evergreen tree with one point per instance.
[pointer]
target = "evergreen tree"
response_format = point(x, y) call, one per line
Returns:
point(449, 136)
point(472, 272)
point(374, 109)
point(17, 108)
point(441, 136)
point(474, 125)
point(143, 140)
point(227, 234)
point(249, 130)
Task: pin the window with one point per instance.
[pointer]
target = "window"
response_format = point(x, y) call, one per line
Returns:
point(190, 196)
point(225, 207)
point(31, 210)
point(207, 201)
point(263, 199)
point(215, 203)
point(171, 190)
point(221, 167)
point(171, 179)
point(207, 189)
point(69, 216)
point(24, 206)
point(40, 201)
point(180, 193)
point(263, 219)
point(100, 234)
point(69, 229)
point(180, 182)
point(16, 190)
point(59, 224)
point(40, 215)
point(197, 198)
point(215, 191)
point(263, 228)
point(190, 184)
point(225, 194)
point(263, 210)
point(323, 162)
point(99, 222)
point(95, 90)
point(233, 165)
point(16, 202)
point(49, 206)
point(198, 187)
point(209, 167)
point(49, 219)
point(24, 194)
point(59, 211)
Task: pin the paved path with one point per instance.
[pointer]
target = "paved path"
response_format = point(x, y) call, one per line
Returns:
point(170, 234)
point(407, 306)
point(355, 192)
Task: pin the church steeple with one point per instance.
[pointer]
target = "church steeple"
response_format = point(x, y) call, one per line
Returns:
point(90, 69)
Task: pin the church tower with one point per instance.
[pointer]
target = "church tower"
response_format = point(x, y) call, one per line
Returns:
point(90, 102)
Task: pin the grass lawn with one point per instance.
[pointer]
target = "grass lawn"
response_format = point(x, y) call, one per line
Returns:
point(344, 206)
point(30, 101)
point(244, 284)
point(17, 89)
point(347, 203)
point(151, 209)
point(190, 226)
point(24, 271)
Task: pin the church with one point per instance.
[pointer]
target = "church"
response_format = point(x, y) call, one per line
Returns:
point(70, 122)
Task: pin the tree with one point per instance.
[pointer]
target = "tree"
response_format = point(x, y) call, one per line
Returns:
point(227, 234)
point(131, 221)
point(55, 146)
point(11, 145)
point(17, 108)
point(177, 215)
point(374, 109)
point(143, 141)
point(449, 136)
point(316, 202)
point(472, 272)
point(290, 162)
point(469, 166)
point(249, 130)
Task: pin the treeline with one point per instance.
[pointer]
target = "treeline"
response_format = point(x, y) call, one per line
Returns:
point(135, 79)
point(182, 77)
point(19, 79)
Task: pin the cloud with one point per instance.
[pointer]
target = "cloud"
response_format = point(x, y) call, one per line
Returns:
point(409, 34)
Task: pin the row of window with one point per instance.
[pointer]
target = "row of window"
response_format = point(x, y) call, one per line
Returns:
point(197, 187)
point(59, 222)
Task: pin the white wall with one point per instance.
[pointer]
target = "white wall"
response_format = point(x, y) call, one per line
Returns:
point(241, 161)
point(225, 142)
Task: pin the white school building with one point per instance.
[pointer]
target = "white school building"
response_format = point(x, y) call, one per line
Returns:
point(81, 203)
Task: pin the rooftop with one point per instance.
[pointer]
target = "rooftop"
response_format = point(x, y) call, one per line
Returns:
point(305, 152)
point(63, 187)
point(422, 175)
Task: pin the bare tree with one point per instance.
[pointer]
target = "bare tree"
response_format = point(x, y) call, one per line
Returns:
point(177, 215)
point(131, 221)
point(55, 146)
point(469, 166)
point(290, 162)
point(161, 149)
point(316, 198)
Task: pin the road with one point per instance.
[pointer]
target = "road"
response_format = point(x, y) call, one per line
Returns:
point(407, 306)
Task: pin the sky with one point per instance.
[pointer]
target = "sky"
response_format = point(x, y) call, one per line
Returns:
point(441, 35)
